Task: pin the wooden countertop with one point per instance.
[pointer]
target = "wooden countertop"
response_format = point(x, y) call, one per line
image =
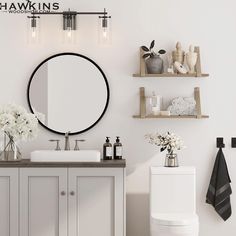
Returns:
point(26, 163)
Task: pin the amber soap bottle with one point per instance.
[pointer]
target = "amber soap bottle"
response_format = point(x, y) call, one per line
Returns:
point(118, 149)
point(107, 149)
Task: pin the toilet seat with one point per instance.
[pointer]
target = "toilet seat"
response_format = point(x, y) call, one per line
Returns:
point(174, 219)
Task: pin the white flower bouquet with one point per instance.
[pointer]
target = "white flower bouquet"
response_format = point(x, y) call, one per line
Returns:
point(18, 125)
point(168, 141)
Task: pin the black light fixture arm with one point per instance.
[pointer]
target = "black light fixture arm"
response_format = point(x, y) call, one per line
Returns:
point(70, 12)
point(104, 18)
point(104, 14)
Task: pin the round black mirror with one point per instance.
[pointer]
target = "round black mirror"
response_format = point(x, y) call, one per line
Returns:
point(68, 92)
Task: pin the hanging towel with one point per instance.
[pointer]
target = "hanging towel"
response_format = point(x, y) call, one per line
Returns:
point(219, 191)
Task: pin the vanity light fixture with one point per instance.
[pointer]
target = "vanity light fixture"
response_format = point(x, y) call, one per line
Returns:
point(104, 29)
point(70, 26)
point(33, 29)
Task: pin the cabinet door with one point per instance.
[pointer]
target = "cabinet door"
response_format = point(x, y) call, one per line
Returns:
point(9, 201)
point(43, 202)
point(96, 202)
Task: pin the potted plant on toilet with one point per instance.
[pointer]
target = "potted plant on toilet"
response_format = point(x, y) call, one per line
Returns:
point(169, 142)
point(153, 60)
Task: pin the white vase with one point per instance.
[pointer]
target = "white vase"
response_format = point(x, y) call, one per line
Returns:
point(191, 59)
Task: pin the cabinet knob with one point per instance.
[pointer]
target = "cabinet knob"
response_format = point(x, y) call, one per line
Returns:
point(63, 193)
point(72, 193)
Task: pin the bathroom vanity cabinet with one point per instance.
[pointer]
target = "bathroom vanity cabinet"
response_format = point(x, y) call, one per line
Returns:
point(9, 194)
point(62, 201)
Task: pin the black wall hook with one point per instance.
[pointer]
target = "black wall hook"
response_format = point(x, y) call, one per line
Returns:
point(233, 142)
point(220, 142)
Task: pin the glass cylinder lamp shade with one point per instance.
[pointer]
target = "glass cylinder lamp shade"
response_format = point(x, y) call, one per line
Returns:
point(69, 27)
point(33, 29)
point(104, 30)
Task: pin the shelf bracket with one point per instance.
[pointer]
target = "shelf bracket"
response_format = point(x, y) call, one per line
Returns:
point(198, 64)
point(142, 102)
point(142, 63)
point(198, 102)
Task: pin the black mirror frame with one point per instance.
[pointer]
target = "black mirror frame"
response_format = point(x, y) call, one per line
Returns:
point(73, 54)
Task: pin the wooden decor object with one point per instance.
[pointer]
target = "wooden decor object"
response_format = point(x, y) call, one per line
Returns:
point(143, 115)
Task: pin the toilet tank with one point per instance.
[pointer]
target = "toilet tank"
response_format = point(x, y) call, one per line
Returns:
point(172, 190)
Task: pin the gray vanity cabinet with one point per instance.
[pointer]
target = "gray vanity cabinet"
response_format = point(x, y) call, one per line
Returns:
point(43, 202)
point(72, 202)
point(96, 202)
point(9, 202)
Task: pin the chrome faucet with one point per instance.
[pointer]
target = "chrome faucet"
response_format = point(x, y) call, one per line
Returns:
point(67, 141)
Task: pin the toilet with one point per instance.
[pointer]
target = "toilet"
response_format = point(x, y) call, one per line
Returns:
point(173, 201)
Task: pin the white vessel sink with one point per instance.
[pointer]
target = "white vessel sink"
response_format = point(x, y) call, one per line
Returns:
point(65, 156)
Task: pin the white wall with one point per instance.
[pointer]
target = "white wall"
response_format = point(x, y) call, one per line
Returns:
point(209, 24)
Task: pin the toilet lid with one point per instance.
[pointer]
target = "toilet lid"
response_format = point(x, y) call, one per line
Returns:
point(174, 219)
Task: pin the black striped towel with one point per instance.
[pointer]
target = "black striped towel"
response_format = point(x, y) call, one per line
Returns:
point(219, 191)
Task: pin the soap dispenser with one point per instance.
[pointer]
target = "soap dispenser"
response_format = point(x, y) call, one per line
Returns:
point(117, 149)
point(107, 150)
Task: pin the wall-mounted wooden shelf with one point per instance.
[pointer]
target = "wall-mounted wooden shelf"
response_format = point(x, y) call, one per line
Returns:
point(166, 75)
point(142, 112)
point(143, 70)
point(170, 117)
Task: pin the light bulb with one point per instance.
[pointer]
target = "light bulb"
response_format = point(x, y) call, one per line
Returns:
point(69, 32)
point(70, 36)
point(104, 33)
point(33, 34)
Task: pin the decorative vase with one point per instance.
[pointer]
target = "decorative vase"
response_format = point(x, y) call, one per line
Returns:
point(171, 160)
point(191, 59)
point(10, 151)
point(154, 65)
